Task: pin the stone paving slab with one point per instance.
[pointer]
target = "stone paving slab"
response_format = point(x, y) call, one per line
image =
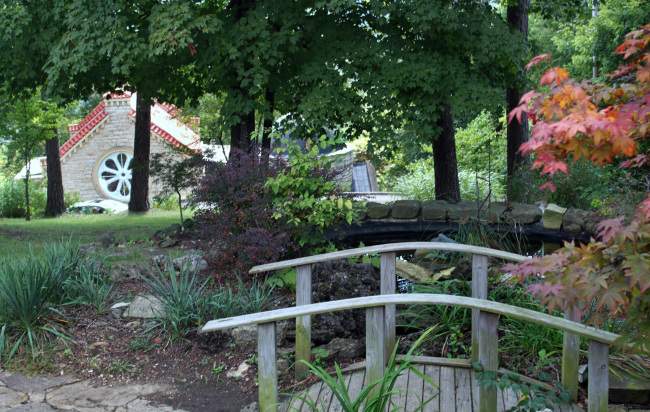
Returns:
point(62, 393)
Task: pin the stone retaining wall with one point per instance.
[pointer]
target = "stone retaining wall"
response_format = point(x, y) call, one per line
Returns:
point(552, 217)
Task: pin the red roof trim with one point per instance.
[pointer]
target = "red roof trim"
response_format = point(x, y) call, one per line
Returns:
point(165, 135)
point(84, 127)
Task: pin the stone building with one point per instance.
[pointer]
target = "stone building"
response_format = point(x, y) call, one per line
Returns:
point(95, 160)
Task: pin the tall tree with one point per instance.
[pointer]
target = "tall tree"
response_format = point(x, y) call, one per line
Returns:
point(27, 122)
point(517, 131)
point(131, 44)
point(27, 30)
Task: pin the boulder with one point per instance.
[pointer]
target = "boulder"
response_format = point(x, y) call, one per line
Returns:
point(336, 280)
point(553, 217)
point(576, 221)
point(427, 254)
point(128, 270)
point(377, 210)
point(434, 210)
point(341, 349)
point(406, 209)
point(519, 212)
point(247, 335)
point(107, 239)
point(166, 243)
point(195, 263)
point(146, 307)
point(412, 272)
point(462, 210)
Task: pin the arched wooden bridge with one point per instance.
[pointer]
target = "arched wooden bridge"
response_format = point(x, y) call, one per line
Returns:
point(380, 333)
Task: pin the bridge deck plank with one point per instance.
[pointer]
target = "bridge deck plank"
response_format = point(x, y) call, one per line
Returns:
point(457, 391)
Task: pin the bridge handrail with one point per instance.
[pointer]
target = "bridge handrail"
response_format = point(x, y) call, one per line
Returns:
point(389, 247)
point(410, 299)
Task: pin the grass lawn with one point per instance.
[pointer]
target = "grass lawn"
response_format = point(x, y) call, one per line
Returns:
point(16, 235)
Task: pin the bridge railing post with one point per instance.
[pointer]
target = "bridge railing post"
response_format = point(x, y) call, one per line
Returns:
point(388, 287)
point(375, 345)
point(303, 323)
point(488, 356)
point(267, 367)
point(598, 377)
point(479, 291)
point(570, 356)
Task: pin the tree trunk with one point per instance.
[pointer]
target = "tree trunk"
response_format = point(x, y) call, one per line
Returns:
point(55, 205)
point(139, 201)
point(517, 133)
point(241, 133)
point(445, 165)
point(27, 213)
point(268, 127)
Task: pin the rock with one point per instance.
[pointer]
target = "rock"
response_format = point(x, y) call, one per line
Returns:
point(443, 274)
point(175, 228)
point(141, 405)
point(576, 221)
point(462, 210)
point(377, 210)
point(19, 382)
point(626, 389)
point(107, 240)
point(81, 395)
point(434, 210)
point(247, 335)
point(89, 247)
point(616, 408)
point(10, 398)
point(147, 307)
point(253, 407)
point(128, 270)
point(214, 341)
point(119, 305)
point(406, 209)
point(427, 254)
point(166, 243)
point(239, 373)
point(159, 261)
point(195, 263)
point(132, 325)
point(553, 217)
point(519, 212)
point(336, 280)
point(343, 349)
point(32, 407)
point(282, 366)
point(412, 272)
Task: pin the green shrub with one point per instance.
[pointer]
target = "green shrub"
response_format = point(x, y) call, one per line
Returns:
point(31, 290)
point(419, 183)
point(12, 197)
point(188, 302)
point(477, 140)
point(307, 197)
point(89, 286)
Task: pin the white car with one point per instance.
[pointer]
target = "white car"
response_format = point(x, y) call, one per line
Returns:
point(99, 206)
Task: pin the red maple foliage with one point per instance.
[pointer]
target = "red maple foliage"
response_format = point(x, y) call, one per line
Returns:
point(609, 278)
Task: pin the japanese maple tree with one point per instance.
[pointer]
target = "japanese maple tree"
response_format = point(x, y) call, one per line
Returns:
point(610, 276)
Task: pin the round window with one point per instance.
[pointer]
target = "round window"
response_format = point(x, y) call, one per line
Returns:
point(114, 175)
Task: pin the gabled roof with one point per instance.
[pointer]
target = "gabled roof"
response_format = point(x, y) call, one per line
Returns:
point(164, 123)
point(80, 130)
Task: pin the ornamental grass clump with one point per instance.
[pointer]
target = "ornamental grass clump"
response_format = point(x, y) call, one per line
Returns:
point(33, 291)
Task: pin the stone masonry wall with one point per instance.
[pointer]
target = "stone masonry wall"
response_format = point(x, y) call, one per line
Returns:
point(116, 131)
point(572, 221)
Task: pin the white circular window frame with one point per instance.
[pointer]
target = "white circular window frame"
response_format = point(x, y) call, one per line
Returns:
point(101, 185)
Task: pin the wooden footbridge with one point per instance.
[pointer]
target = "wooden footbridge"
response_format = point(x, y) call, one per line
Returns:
point(456, 383)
